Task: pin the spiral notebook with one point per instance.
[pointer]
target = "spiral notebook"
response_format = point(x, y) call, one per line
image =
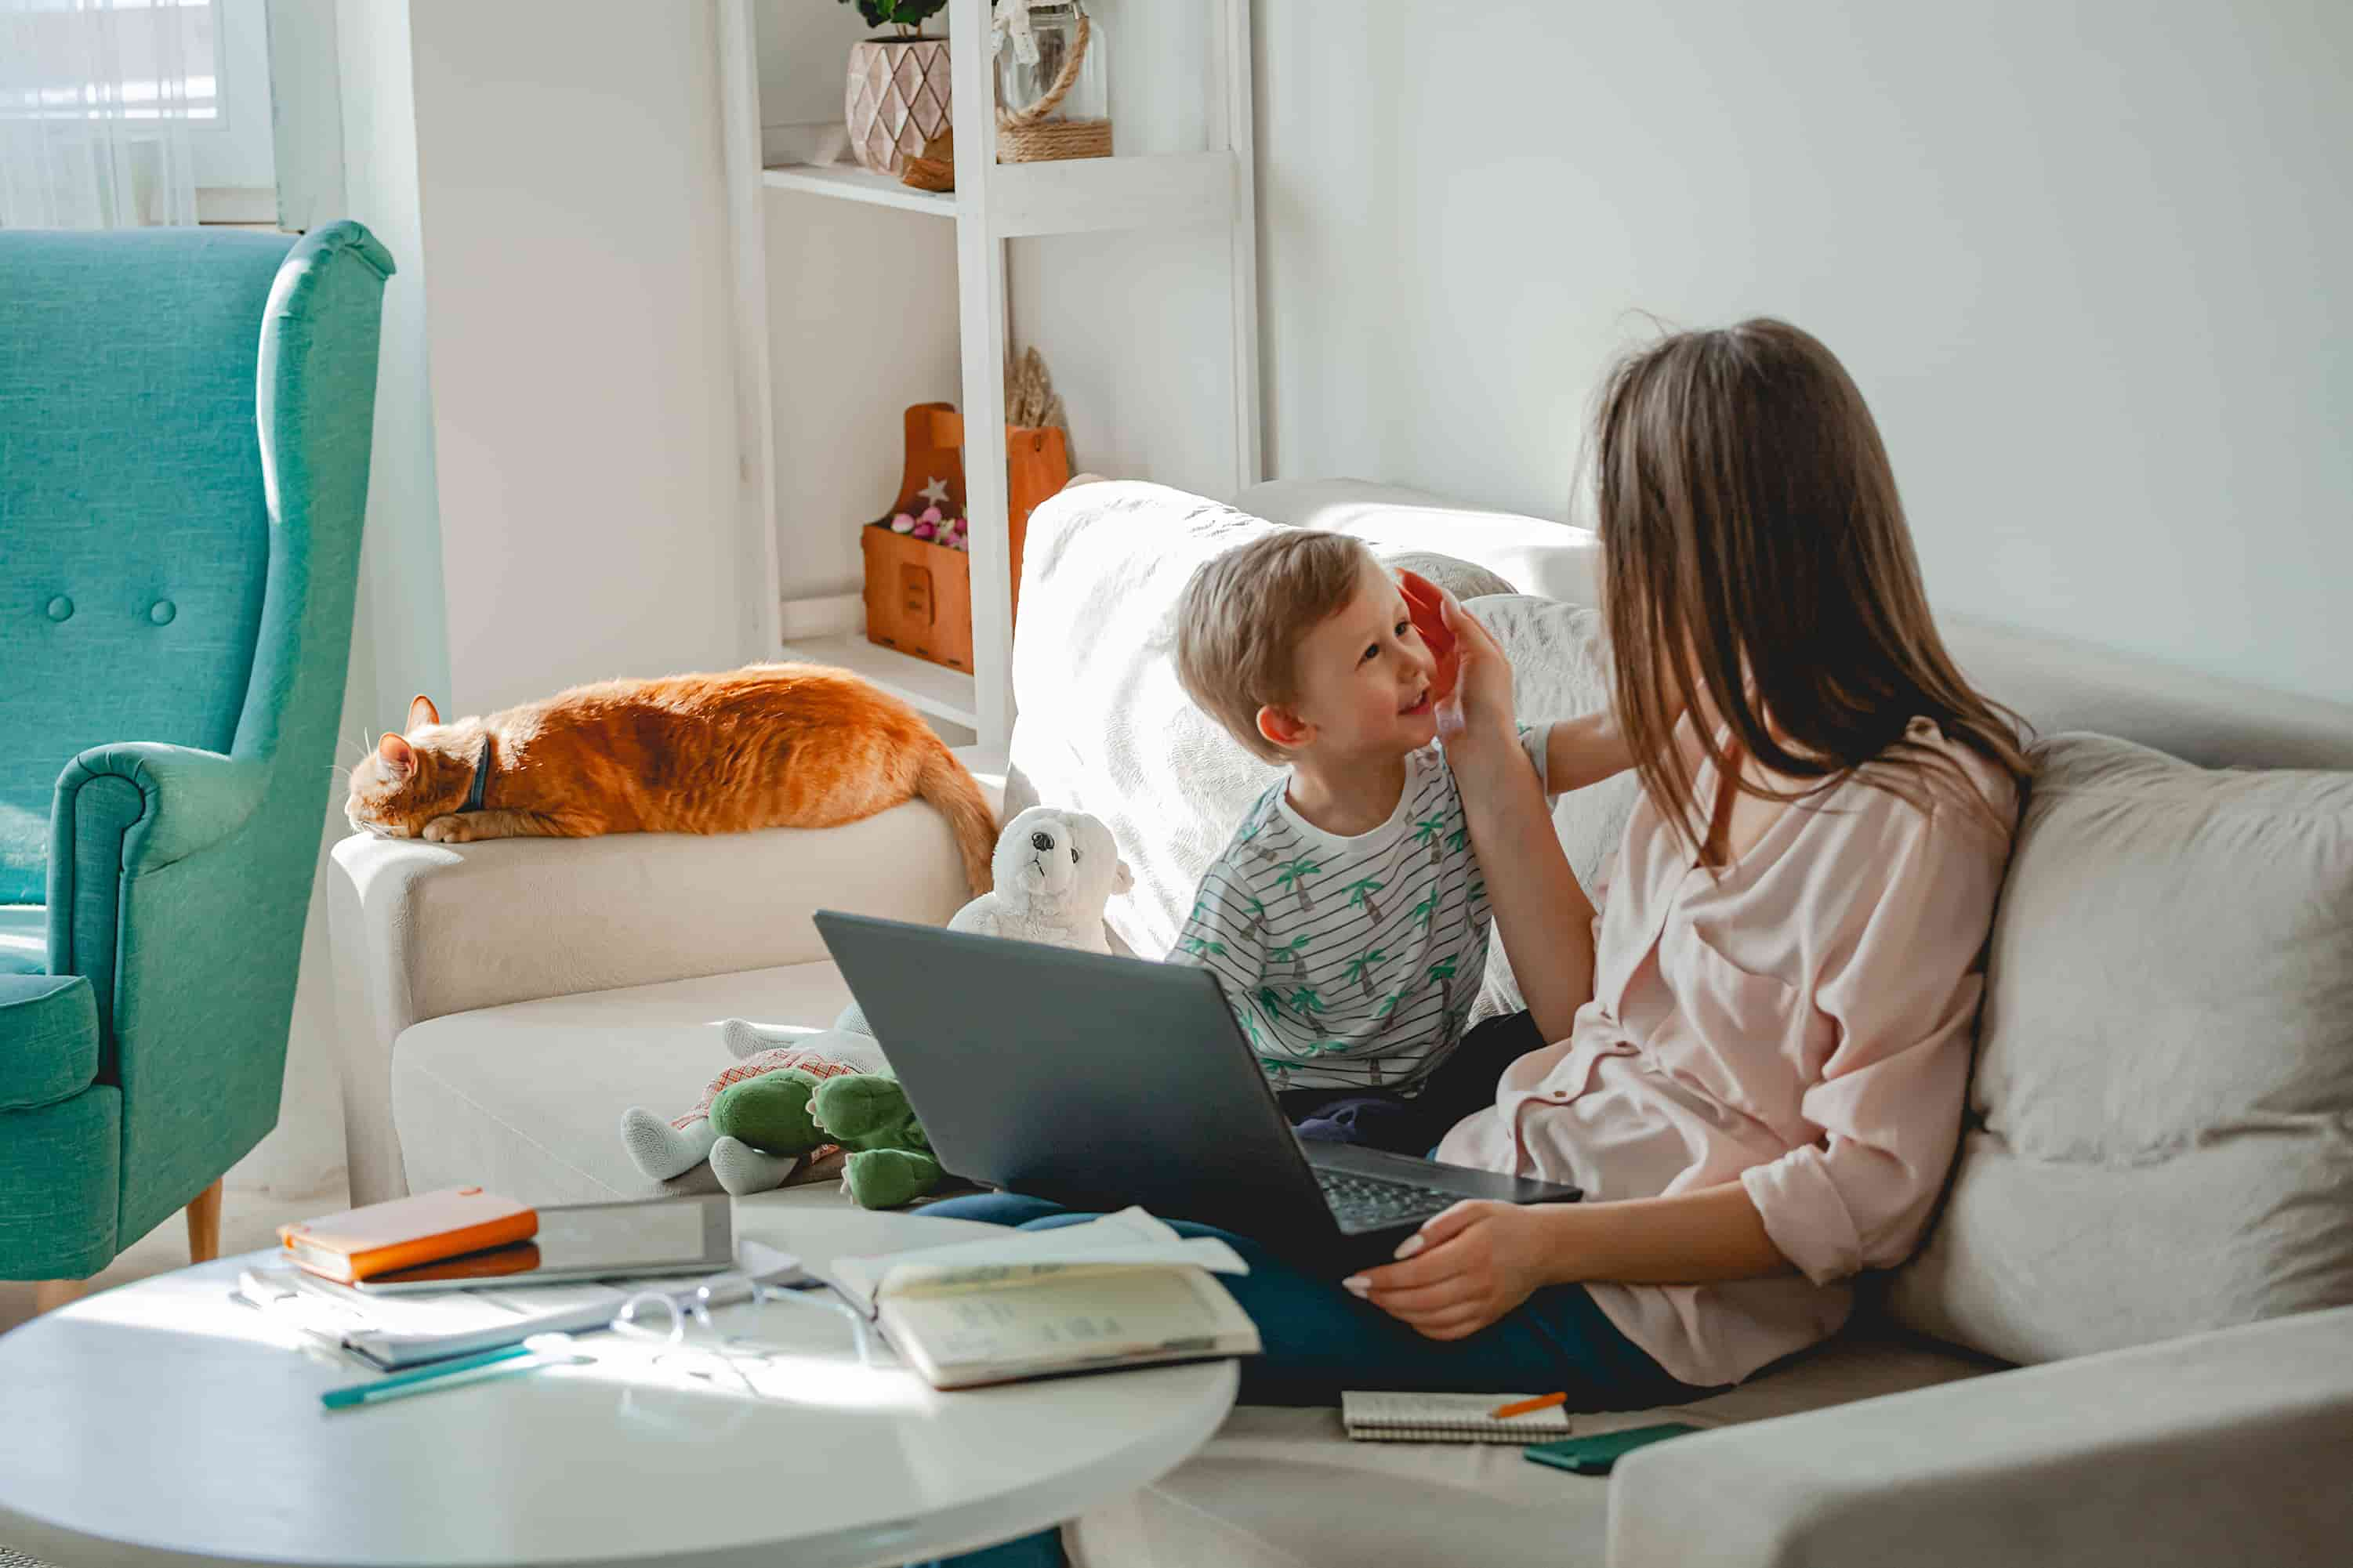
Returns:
point(1445, 1418)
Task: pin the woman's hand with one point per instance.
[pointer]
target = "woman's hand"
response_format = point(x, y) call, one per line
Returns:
point(1468, 1267)
point(1475, 720)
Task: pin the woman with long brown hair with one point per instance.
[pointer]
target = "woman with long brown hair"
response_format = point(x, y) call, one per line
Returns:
point(1753, 1059)
point(1762, 1042)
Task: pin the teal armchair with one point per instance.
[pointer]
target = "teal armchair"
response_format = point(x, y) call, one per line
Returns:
point(185, 418)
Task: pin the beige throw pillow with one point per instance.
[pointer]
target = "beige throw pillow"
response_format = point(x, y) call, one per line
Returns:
point(2160, 1133)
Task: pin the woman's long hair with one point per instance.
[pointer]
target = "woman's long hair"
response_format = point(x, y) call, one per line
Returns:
point(1753, 552)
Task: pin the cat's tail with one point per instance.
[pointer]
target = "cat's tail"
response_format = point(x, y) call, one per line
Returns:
point(948, 787)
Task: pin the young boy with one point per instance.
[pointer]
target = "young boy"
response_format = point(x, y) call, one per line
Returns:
point(1346, 920)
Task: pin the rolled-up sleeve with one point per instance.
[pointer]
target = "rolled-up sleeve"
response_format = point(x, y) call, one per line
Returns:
point(1900, 981)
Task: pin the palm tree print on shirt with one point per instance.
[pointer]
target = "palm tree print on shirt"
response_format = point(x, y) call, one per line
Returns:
point(1423, 910)
point(1361, 891)
point(1295, 954)
point(1460, 839)
point(1442, 972)
point(1294, 874)
point(1306, 1002)
point(1202, 947)
point(1389, 1003)
point(1361, 967)
point(1425, 831)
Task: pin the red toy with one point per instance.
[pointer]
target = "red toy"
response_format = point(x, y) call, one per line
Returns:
point(1421, 605)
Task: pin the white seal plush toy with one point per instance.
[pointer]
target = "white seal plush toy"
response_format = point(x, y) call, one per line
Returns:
point(1056, 870)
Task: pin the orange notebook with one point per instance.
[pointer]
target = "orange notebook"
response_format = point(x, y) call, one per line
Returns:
point(422, 1228)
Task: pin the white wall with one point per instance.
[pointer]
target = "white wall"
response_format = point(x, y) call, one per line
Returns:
point(580, 313)
point(399, 633)
point(2092, 264)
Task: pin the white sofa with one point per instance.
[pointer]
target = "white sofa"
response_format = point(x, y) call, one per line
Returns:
point(2154, 1205)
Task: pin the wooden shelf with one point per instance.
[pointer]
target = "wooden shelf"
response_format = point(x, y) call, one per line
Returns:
point(933, 688)
point(848, 182)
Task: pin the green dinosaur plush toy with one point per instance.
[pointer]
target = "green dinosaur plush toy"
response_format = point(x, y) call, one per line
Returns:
point(791, 1112)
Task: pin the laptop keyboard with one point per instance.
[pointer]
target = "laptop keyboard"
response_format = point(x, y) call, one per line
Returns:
point(1369, 1203)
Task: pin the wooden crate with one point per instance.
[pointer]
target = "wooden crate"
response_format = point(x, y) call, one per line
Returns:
point(918, 596)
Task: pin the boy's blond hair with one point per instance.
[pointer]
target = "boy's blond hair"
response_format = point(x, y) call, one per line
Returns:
point(1240, 622)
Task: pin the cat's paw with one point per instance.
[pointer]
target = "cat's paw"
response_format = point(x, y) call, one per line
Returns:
point(448, 830)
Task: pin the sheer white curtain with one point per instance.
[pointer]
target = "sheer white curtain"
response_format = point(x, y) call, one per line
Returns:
point(96, 101)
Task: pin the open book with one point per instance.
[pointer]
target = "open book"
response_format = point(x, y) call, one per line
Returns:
point(1120, 1291)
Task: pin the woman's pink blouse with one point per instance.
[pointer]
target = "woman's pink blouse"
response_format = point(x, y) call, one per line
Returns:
point(1798, 1021)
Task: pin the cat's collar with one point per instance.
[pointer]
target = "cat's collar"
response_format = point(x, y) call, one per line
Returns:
point(481, 779)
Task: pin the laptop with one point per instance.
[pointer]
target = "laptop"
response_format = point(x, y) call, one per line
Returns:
point(1098, 1082)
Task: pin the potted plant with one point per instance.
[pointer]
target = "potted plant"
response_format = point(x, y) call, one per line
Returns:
point(898, 86)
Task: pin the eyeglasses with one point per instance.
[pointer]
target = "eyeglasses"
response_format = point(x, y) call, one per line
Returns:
point(681, 1329)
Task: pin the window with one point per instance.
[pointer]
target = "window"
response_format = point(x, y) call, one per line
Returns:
point(129, 59)
point(116, 113)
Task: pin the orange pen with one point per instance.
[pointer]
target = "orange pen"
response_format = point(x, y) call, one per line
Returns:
point(1521, 1408)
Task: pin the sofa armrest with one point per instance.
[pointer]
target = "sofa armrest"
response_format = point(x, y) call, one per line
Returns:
point(426, 929)
point(2228, 1446)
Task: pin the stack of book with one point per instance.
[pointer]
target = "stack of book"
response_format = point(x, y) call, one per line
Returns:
point(426, 1227)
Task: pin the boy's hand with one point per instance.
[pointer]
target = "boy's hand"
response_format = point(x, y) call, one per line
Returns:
point(1465, 1268)
point(1475, 719)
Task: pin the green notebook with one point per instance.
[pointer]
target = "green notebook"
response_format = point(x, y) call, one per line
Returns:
point(1594, 1456)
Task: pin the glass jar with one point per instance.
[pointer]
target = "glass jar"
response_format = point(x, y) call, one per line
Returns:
point(1053, 82)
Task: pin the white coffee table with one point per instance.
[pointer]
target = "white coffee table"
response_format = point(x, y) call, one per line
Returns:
point(162, 1423)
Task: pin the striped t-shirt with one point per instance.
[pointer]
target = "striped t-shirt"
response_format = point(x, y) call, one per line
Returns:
point(1349, 962)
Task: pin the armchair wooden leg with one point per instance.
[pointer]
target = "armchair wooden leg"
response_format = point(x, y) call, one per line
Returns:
point(48, 1295)
point(204, 1226)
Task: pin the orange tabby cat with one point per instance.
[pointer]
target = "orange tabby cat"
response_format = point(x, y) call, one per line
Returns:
point(773, 745)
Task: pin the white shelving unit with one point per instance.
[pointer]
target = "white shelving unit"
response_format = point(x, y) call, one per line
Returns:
point(993, 204)
point(852, 184)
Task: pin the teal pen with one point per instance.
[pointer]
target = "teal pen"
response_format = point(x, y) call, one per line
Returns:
point(426, 1379)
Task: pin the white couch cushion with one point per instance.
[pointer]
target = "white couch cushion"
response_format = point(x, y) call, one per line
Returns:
point(1284, 1489)
point(526, 1098)
point(2159, 1138)
point(1533, 554)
